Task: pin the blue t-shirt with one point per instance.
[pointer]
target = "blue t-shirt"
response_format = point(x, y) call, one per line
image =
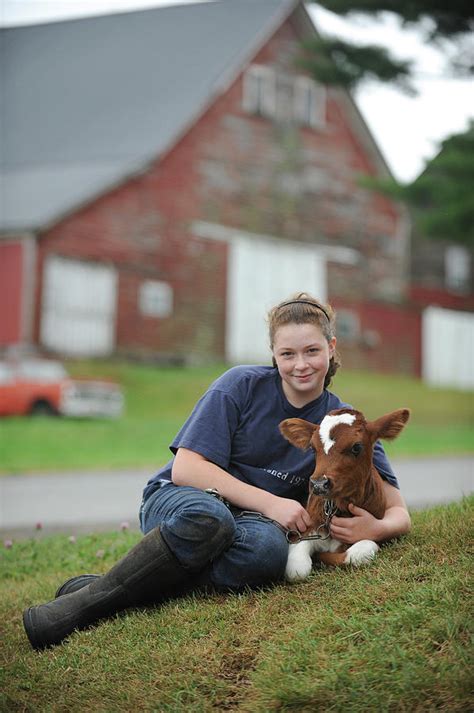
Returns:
point(235, 426)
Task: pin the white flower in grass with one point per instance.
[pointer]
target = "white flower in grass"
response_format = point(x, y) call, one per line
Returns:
point(124, 525)
point(8, 544)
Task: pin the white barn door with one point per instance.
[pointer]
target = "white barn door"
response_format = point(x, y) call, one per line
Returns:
point(78, 307)
point(260, 274)
point(448, 348)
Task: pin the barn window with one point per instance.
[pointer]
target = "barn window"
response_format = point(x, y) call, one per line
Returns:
point(348, 325)
point(283, 97)
point(155, 299)
point(285, 90)
point(6, 374)
point(259, 91)
point(309, 102)
point(457, 268)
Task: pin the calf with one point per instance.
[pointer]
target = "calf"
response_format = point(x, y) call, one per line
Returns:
point(344, 474)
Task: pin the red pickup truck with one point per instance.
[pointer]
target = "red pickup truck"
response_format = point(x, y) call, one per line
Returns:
point(43, 386)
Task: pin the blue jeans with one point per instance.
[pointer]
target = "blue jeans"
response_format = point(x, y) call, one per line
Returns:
point(222, 548)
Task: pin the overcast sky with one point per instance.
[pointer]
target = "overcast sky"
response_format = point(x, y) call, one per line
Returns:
point(408, 130)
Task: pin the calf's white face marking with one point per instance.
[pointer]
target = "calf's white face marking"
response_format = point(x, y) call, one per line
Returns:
point(328, 423)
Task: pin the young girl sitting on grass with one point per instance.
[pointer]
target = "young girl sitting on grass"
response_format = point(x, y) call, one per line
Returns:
point(230, 445)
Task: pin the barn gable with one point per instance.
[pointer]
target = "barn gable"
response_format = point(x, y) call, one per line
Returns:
point(89, 103)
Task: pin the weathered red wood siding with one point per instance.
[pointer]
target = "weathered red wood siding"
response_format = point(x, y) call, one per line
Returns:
point(11, 292)
point(388, 340)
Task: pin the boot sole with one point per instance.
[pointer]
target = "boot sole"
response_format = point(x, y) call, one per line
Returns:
point(29, 625)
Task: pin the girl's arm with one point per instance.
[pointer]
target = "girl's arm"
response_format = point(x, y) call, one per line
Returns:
point(190, 468)
point(364, 526)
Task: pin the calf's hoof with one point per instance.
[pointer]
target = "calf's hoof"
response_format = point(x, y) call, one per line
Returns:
point(361, 553)
point(298, 569)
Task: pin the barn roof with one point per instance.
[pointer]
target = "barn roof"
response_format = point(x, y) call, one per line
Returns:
point(90, 102)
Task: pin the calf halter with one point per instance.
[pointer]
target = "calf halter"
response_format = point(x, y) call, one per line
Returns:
point(322, 532)
point(305, 302)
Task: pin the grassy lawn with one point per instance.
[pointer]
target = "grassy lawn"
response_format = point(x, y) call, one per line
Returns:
point(158, 399)
point(391, 637)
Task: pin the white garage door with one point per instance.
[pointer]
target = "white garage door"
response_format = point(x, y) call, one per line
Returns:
point(260, 274)
point(448, 348)
point(78, 307)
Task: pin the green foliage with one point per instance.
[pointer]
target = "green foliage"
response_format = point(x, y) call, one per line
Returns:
point(344, 64)
point(394, 636)
point(447, 19)
point(340, 63)
point(158, 400)
point(441, 197)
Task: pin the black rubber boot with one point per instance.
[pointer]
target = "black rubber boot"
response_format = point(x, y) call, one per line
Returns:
point(75, 583)
point(146, 572)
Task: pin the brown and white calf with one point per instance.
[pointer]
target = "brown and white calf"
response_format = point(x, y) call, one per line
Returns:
point(344, 474)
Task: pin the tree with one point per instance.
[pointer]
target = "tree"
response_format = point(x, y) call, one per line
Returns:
point(334, 61)
point(441, 197)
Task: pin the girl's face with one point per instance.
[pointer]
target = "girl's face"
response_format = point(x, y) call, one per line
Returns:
point(302, 355)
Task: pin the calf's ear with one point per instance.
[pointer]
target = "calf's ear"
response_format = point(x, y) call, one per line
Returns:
point(390, 425)
point(298, 432)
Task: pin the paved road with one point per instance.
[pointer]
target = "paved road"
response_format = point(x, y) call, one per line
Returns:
point(91, 501)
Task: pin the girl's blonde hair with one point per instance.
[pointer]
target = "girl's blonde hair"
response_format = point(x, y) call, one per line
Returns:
point(302, 308)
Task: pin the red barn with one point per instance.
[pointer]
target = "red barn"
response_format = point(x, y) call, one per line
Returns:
point(171, 173)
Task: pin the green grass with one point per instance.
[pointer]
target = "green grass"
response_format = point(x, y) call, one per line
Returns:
point(394, 636)
point(158, 400)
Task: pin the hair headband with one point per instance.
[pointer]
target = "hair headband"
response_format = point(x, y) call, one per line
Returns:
point(305, 302)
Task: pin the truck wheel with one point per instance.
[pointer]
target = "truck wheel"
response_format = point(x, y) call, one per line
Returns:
point(43, 408)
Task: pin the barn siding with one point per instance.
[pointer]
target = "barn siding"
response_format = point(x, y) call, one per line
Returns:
point(425, 296)
point(388, 339)
point(17, 285)
point(11, 283)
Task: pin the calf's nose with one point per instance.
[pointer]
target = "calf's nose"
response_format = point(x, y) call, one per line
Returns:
point(321, 486)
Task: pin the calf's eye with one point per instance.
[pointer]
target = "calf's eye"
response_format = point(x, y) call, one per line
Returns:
point(356, 449)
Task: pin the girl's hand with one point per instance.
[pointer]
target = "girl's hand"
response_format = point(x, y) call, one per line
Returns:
point(362, 526)
point(289, 513)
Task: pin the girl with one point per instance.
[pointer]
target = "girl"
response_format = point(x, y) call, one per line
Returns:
point(217, 514)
